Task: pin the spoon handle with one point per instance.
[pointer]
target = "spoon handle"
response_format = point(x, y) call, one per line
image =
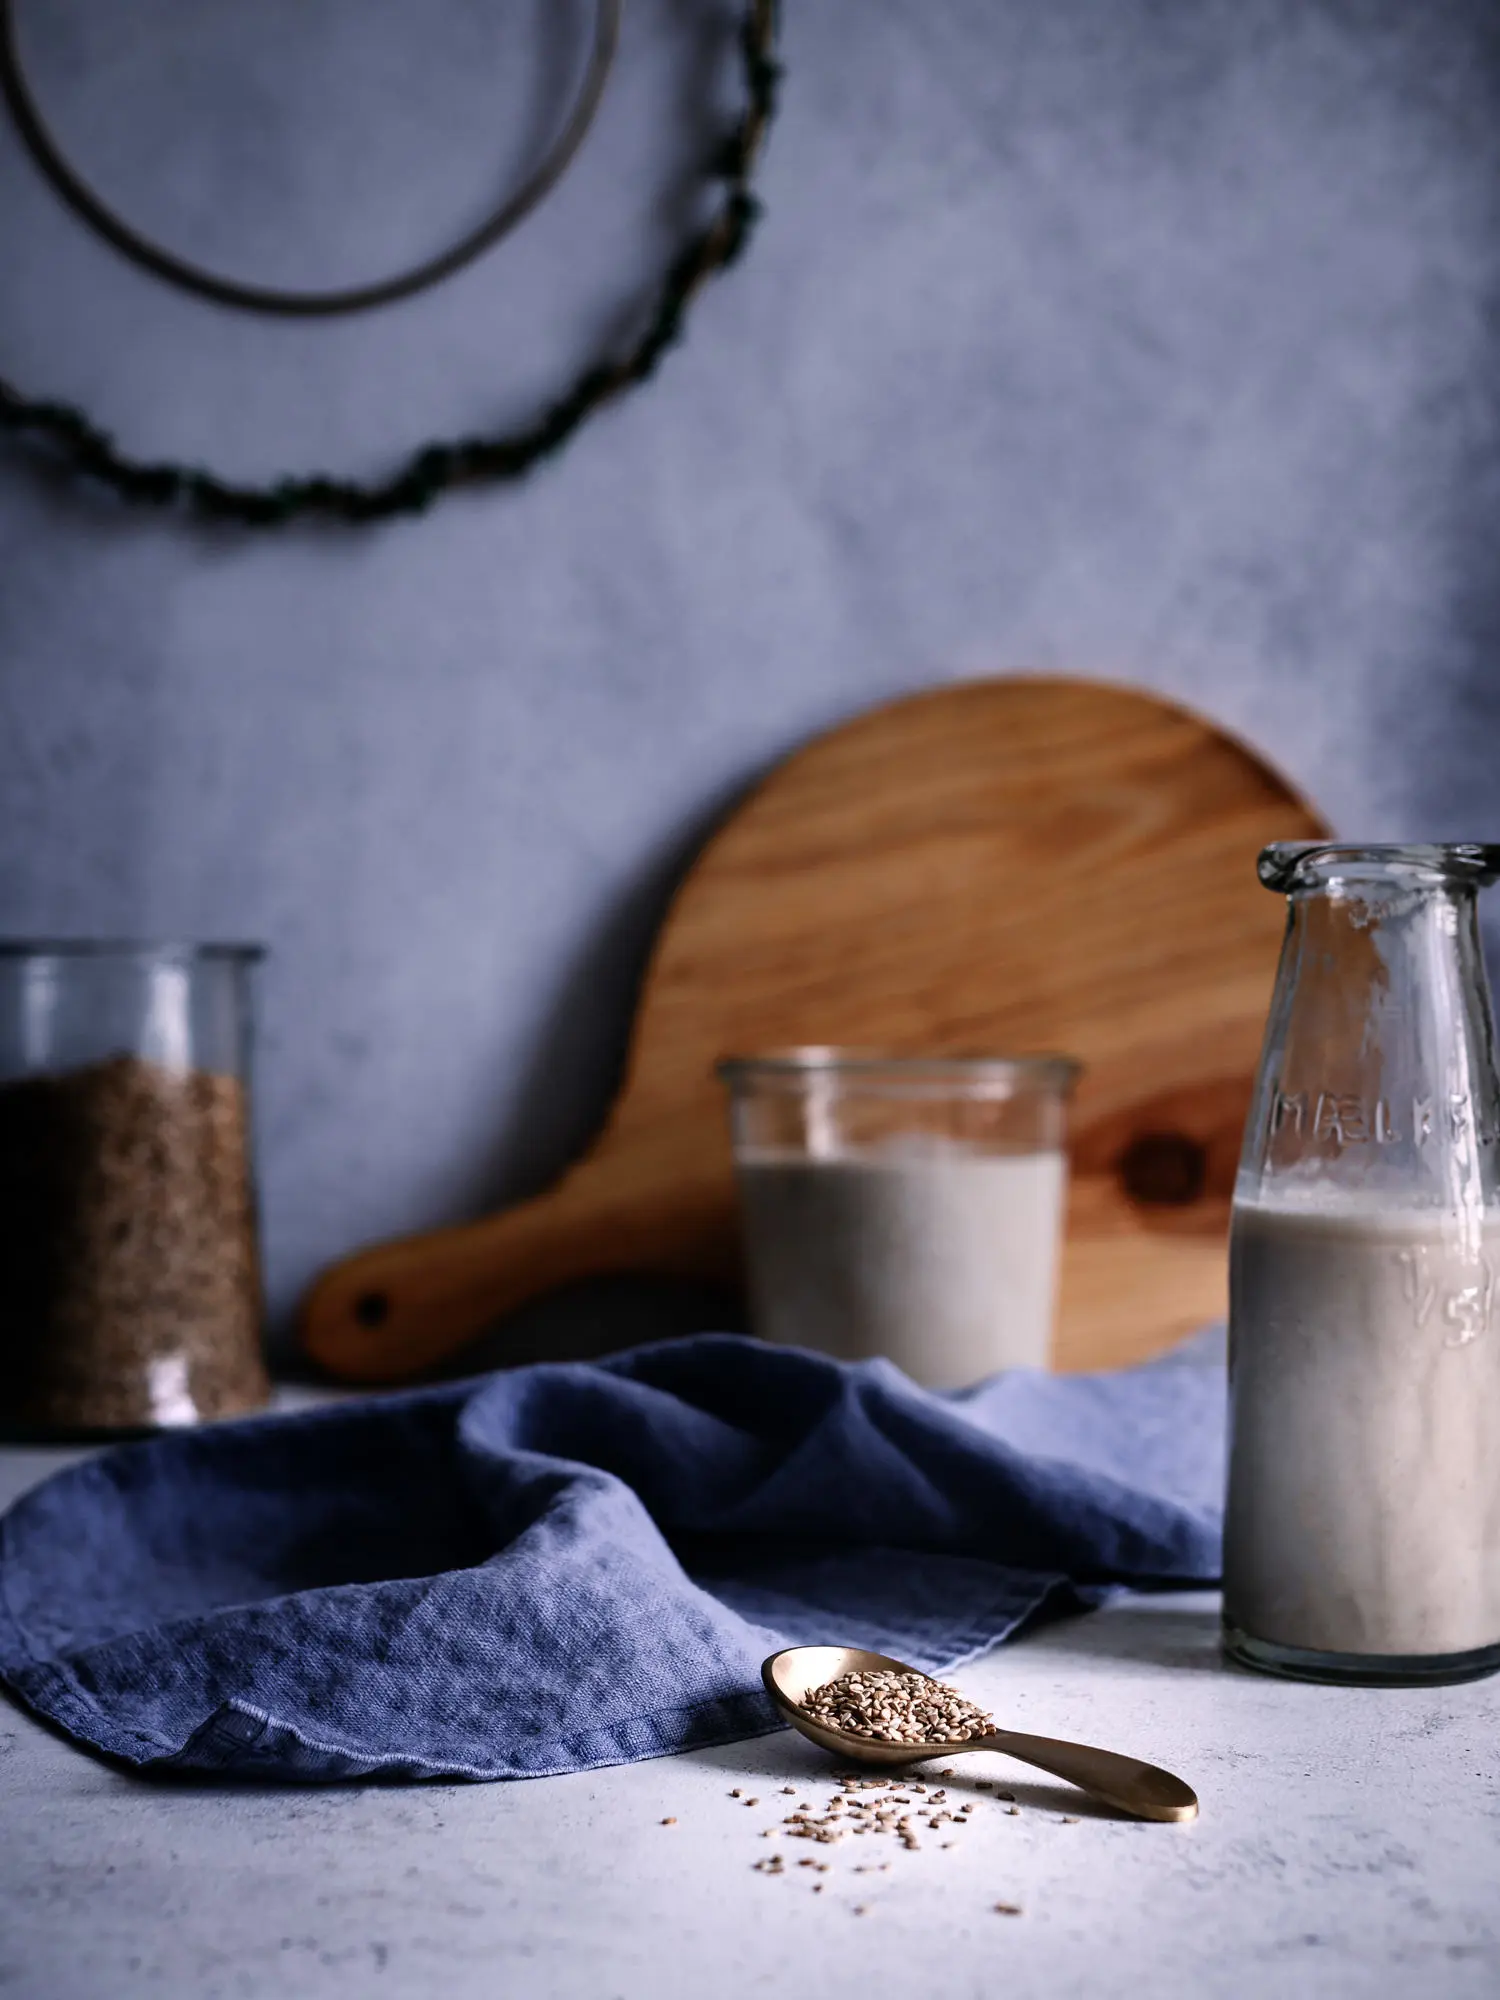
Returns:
point(1143, 1789)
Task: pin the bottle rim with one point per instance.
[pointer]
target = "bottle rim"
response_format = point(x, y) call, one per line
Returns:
point(1292, 866)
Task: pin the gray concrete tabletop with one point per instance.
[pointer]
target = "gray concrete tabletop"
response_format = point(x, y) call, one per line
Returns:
point(1349, 1844)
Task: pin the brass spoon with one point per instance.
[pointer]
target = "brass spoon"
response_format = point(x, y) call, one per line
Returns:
point(1123, 1782)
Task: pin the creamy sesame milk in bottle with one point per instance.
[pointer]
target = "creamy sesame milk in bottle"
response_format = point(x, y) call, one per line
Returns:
point(1362, 1530)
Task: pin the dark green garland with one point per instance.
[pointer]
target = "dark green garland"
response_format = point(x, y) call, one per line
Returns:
point(68, 436)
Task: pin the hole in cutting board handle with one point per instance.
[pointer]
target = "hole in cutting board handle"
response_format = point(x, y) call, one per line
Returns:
point(1164, 1170)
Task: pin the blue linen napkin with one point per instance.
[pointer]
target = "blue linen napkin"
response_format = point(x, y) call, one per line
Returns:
point(581, 1564)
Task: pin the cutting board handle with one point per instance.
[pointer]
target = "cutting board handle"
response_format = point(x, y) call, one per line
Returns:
point(398, 1308)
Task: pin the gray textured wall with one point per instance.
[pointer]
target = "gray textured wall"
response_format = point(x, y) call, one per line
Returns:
point(1146, 340)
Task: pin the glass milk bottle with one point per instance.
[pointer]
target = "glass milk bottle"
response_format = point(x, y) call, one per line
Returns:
point(1362, 1531)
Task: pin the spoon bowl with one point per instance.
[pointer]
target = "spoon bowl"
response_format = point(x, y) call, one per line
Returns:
point(1144, 1790)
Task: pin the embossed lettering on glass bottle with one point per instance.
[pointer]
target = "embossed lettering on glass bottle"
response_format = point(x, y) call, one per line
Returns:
point(1362, 1532)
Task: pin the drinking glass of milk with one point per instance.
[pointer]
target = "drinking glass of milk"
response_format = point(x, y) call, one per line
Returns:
point(1362, 1535)
point(908, 1207)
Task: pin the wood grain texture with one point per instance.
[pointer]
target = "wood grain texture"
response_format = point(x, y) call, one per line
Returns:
point(1005, 865)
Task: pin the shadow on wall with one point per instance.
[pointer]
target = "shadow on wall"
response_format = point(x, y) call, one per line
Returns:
point(586, 1027)
point(1431, 742)
point(584, 1037)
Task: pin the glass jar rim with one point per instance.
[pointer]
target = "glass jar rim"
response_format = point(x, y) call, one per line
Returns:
point(1292, 865)
point(1007, 1075)
point(128, 948)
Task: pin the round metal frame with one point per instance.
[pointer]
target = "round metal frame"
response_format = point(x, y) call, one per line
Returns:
point(164, 263)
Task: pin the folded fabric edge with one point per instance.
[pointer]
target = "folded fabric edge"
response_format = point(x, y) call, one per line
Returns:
point(241, 1740)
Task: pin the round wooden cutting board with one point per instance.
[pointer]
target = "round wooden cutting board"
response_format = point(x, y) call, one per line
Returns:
point(1010, 866)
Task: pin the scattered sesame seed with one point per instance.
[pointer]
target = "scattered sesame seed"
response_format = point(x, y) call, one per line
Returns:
point(1008, 1909)
point(669, 1822)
